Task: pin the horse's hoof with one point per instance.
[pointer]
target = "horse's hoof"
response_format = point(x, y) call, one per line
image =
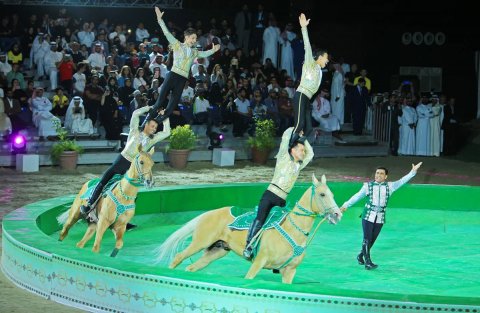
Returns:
point(190, 269)
point(79, 245)
point(114, 252)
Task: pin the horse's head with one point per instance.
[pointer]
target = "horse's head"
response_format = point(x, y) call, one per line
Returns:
point(323, 201)
point(143, 166)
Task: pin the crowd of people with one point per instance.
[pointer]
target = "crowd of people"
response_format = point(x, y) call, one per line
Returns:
point(101, 73)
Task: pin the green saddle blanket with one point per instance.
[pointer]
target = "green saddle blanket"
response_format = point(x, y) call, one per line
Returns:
point(93, 183)
point(242, 222)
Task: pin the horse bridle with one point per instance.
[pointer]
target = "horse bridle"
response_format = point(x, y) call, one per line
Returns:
point(140, 181)
point(311, 213)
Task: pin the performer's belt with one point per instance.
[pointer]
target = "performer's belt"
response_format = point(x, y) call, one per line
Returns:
point(278, 191)
point(376, 208)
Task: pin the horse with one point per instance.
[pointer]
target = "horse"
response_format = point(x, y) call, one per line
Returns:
point(211, 233)
point(115, 209)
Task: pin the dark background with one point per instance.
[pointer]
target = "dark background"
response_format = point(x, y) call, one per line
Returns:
point(364, 32)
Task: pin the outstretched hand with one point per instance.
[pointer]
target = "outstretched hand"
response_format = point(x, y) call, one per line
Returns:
point(416, 167)
point(303, 20)
point(159, 13)
point(216, 48)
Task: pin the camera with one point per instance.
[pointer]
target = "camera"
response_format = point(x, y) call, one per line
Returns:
point(77, 110)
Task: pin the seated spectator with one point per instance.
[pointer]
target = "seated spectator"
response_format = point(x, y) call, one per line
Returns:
point(5, 123)
point(13, 110)
point(5, 67)
point(242, 114)
point(200, 106)
point(321, 112)
point(43, 119)
point(60, 103)
point(285, 111)
point(15, 54)
point(75, 120)
point(16, 74)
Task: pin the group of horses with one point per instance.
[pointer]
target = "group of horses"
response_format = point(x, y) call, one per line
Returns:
point(282, 248)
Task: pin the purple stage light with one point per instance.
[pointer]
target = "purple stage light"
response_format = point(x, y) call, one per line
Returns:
point(19, 144)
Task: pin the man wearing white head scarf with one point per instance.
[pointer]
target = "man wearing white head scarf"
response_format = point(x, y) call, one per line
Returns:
point(42, 118)
point(75, 120)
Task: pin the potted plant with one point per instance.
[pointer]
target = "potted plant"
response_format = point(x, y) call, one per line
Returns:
point(263, 142)
point(182, 140)
point(65, 152)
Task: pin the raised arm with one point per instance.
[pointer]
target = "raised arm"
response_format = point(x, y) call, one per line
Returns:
point(164, 28)
point(308, 154)
point(308, 48)
point(135, 120)
point(402, 181)
point(283, 150)
point(164, 133)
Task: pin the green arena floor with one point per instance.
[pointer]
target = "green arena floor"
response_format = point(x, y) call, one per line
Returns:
point(428, 252)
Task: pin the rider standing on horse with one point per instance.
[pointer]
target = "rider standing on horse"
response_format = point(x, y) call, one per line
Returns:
point(146, 137)
point(309, 84)
point(290, 160)
point(183, 56)
point(373, 216)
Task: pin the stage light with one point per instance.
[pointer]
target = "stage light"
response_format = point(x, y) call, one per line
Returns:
point(19, 144)
point(215, 140)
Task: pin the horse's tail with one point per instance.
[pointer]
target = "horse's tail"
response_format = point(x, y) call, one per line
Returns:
point(170, 246)
point(62, 218)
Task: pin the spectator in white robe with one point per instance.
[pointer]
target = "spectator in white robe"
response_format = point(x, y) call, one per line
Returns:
point(271, 36)
point(337, 92)
point(41, 116)
point(5, 122)
point(97, 58)
point(322, 113)
point(423, 131)
point(436, 126)
point(75, 121)
point(407, 124)
point(39, 47)
point(50, 61)
point(285, 39)
point(87, 36)
point(5, 67)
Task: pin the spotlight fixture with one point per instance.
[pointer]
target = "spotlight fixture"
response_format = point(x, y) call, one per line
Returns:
point(19, 144)
point(215, 140)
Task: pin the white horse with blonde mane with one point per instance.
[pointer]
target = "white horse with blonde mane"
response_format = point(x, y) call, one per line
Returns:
point(114, 210)
point(211, 233)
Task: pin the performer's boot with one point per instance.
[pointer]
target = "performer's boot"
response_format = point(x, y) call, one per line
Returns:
point(369, 265)
point(88, 207)
point(360, 258)
point(293, 139)
point(150, 115)
point(252, 231)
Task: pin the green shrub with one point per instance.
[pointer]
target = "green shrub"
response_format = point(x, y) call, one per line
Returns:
point(264, 135)
point(64, 144)
point(182, 137)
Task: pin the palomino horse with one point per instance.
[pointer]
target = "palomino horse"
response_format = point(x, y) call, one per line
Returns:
point(210, 232)
point(116, 209)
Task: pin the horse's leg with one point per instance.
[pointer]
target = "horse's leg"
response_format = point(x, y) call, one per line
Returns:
point(179, 257)
point(73, 216)
point(102, 226)
point(88, 234)
point(287, 274)
point(119, 231)
point(257, 265)
point(208, 257)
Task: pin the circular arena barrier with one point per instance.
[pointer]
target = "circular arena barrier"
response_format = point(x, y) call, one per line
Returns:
point(427, 254)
